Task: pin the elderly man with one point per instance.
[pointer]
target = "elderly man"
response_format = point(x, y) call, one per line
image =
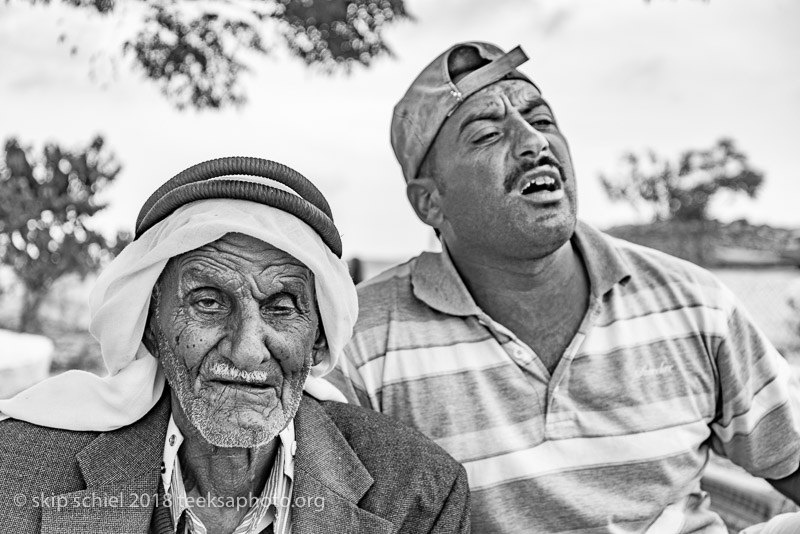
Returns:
point(234, 291)
point(581, 380)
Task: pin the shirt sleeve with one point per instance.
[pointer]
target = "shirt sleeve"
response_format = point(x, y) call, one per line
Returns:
point(757, 421)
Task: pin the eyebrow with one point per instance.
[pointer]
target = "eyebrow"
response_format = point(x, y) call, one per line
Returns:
point(493, 112)
point(194, 278)
point(194, 274)
point(483, 113)
point(530, 105)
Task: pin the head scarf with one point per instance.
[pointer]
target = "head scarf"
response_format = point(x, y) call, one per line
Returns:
point(78, 400)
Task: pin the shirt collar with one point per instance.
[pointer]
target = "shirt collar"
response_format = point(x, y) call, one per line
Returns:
point(174, 439)
point(436, 281)
point(604, 263)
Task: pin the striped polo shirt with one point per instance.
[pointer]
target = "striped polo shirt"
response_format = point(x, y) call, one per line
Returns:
point(665, 365)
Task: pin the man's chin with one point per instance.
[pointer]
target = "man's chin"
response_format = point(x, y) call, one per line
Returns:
point(240, 438)
point(237, 434)
point(548, 238)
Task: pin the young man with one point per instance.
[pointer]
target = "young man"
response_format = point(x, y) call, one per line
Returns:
point(581, 380)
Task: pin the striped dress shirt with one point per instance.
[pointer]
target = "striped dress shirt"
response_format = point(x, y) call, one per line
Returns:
point(665, 366)
point(271, 508)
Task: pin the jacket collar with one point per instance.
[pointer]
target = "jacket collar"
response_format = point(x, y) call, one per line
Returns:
point(317, 438)
point(330, 479)
point(129, 452)
point(436, 281)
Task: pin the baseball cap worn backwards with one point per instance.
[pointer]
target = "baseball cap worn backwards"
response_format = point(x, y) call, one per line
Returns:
point(440, 88)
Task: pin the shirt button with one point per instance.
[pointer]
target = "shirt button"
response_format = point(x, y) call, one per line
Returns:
point(172, 440)
point(163, 468)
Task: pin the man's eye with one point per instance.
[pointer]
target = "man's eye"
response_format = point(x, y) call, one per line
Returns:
point(208, 304)
point(281, 304)
point(486, 137)
point(542, 123)
point(208, 301)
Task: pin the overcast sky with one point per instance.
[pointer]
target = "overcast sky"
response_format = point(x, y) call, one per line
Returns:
point(620, 75)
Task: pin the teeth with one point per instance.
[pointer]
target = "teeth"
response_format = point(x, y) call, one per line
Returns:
point(539, 180)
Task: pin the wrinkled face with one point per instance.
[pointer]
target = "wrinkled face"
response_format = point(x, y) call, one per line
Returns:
point(504, 175)
point(237, 331)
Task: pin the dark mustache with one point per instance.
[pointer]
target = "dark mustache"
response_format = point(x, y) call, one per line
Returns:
point(527, 165)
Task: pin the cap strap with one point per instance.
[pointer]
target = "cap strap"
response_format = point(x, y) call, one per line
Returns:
point(488, 74)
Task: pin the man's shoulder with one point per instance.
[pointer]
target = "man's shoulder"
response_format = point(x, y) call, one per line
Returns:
point(32, 441)
point(392, 280)
point(390, 297)
point(47, 458)
point(382, 438)
point(658, 266)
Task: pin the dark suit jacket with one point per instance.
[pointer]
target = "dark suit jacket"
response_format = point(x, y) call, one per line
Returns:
point(367, 473)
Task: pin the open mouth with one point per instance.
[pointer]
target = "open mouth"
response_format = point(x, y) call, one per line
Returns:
point(543, 185)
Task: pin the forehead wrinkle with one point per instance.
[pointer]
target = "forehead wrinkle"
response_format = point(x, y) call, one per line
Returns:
point(208, 271)
point(495, 101)
point(529, 104)
point(286, 277)
point(259, 284)
point(285, 261)
point(288, 269)
point(521, 91)
point(517, 94)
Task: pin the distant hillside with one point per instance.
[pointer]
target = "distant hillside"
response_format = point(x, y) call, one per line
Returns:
point(716, 244)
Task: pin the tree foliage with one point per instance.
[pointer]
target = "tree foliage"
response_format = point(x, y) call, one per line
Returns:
point(195, 51)
point(682, 189)
point(45, 200)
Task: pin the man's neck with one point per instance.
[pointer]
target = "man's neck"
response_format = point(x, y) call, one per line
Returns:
point(541, 300)
point(487, 274)
point(214, 471)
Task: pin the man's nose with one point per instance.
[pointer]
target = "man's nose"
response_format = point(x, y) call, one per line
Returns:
point(529, 142)
point(248, 344)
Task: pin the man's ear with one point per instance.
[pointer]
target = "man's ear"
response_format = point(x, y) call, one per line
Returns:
point(320, 348)
point(149, 336)
point(423, 194)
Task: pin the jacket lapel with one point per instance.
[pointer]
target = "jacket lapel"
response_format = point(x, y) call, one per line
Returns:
point(121, 471)
point(330, 480)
